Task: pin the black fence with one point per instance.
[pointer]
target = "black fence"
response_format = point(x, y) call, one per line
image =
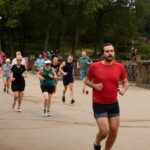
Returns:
point(132, 72)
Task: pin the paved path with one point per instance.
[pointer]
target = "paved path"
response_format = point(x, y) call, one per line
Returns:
point(70, 127)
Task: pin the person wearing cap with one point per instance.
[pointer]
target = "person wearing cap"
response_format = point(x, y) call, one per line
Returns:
point(47, 76)
point(6, 76)
point(18, 82)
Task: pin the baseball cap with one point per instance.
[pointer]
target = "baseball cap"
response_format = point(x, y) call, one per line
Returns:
point(47, 62)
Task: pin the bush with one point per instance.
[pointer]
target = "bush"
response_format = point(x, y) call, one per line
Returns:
point(143, 49)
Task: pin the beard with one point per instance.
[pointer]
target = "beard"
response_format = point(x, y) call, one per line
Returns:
point(109, 59)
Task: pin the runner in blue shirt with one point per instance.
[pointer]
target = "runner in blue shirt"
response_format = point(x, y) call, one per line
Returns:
point(83, 64)
point(39, 62)
point(6, 75)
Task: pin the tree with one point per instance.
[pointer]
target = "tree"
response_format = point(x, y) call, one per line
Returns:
point(117, 21)
point(10, 10)
point(81, 12)
point(36, 24)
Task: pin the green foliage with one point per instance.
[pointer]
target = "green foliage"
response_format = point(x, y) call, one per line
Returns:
point(73, 23)
point(10, 11)
point(144, 49)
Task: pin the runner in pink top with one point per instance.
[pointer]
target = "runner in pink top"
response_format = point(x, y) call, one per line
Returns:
point(2, 55)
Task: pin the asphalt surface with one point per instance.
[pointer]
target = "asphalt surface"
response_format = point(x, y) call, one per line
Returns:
point(70, 127)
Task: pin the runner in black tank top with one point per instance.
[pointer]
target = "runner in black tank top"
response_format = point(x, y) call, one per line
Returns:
point(66, 68)
point(55, 65)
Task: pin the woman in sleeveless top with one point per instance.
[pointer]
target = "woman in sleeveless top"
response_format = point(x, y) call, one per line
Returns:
point(66, 68)
point(47, 75)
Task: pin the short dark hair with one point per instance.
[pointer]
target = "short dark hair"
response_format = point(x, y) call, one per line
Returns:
point(71, 55)
point(104, 45)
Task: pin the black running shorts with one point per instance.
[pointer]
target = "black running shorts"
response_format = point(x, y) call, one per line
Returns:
point(67, 80)
point(106, 110)
point(49, 89)
point(18, 86)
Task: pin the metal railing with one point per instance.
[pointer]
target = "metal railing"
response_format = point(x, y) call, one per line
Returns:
point(131, 72)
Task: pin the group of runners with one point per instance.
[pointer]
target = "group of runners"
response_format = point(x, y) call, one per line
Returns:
point(103, 77)
point(48, 70)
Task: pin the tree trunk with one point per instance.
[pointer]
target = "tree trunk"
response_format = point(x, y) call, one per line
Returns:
point(46, 38)
point(58, 39)
point(10, 43)
point(60, 22)
point(76, 41)
point(22, 42)
point(57, 46)
point(98, 37)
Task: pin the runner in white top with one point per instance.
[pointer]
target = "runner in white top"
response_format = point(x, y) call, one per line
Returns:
point(23, 62)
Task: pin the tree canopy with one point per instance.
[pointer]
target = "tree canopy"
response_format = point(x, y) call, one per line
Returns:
point(59, 24)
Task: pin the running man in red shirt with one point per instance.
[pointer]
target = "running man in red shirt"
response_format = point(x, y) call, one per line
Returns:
point(104, 77)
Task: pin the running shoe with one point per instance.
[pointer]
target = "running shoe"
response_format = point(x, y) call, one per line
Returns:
point(97, 147)
point(72, 101)
point(48, 113)
point(19, 110)
point(7, 91)
point(4, 89)
point(63, 99)
point(87, 92)
point(44, 114)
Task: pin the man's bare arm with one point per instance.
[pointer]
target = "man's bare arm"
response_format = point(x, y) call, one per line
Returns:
point(97, 86)
point(125, 86)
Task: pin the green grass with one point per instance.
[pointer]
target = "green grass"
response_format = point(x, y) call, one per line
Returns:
point(144, 49)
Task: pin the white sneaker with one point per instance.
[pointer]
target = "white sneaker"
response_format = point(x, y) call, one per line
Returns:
point(48, 113)
point(19, 110)
point(44, 114)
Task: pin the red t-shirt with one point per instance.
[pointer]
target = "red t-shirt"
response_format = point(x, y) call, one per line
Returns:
point(109, 76)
